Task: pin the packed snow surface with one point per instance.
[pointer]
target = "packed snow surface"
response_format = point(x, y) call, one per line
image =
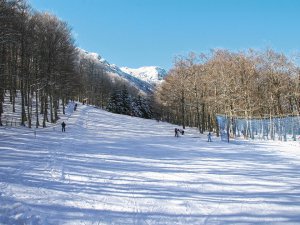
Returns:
point(115, 169)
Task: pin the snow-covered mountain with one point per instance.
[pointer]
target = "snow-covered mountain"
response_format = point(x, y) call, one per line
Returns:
point(144, 78)
point(150, 74)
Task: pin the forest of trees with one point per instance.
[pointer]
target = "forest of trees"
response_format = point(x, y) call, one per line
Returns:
point(40, 64)
point(110, 92)
point(37, 61)
point(245, 84)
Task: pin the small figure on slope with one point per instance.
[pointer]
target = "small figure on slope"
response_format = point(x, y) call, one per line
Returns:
point(63, 127)
point(209, 137)
point(176, 132)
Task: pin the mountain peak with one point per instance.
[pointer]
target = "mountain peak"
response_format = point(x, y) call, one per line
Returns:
point(144, 78)
point(150, 74)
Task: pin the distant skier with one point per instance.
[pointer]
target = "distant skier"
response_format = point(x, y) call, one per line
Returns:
point(63, 127)
point(209, 137)
point(176, 132)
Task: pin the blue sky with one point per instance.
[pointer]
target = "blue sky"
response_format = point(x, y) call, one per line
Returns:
point(137, 33)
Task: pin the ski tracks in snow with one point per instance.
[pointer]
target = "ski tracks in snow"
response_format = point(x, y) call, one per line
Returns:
point(114, 169)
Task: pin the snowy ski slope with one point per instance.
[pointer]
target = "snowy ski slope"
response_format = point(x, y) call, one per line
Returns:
point(115, 169)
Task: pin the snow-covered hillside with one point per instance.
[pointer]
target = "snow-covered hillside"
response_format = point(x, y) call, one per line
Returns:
point(151, 74)
point(116, 169)
point(145, 78)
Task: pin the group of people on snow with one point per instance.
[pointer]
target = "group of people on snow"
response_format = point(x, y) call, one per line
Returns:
point(177, 131)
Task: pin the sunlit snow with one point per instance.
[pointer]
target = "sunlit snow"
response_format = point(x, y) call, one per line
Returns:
point(114, 169)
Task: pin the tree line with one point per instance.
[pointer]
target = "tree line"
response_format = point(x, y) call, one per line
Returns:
point(40, 64)
point(108, 91)
point(37, 61)
point(250, 84)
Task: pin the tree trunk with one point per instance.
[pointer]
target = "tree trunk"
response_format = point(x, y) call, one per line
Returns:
point(45, 119)
point(183, 109)
point(29, 106)
point(37, 107)
point(63, 105)
point(23, 113)
point(51, 108)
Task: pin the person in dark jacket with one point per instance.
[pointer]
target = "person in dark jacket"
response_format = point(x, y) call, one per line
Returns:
point(63, 127)
point(176, 132)
point(209, 137)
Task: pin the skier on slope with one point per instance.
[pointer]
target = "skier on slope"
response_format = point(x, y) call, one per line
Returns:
point(63, 127)
point(176, 132)
point(209, 137)
point(181, 131)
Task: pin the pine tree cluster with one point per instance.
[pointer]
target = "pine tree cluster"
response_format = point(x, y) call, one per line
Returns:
point(122, 102)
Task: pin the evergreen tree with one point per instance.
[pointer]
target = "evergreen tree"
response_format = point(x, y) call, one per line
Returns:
point(146, 108)
point(112, 105)
point(125, 102)
point(136, 106)
point(141, 107)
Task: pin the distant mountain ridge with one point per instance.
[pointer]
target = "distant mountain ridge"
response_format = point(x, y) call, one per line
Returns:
point(144, 78)
point(150, 74)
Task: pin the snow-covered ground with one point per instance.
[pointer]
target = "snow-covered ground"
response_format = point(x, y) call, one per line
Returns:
point(115, 169)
